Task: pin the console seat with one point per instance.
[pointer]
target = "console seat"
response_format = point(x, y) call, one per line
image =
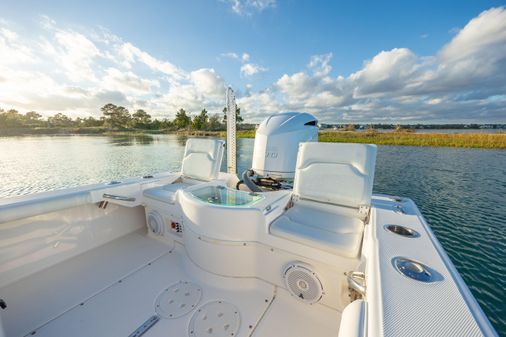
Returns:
point(331, 198)
point(165, 193)
point(323, 229)
point(201, 163)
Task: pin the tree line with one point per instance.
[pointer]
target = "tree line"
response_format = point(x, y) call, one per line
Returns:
point(119, 118)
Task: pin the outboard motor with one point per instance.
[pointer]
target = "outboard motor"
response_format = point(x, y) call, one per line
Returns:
point(275, 152)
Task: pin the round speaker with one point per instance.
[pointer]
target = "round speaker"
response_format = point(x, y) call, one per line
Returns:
point(155, 223)
point(303, 283)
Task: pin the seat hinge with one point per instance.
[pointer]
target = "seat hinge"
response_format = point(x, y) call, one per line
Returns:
point(363, 212)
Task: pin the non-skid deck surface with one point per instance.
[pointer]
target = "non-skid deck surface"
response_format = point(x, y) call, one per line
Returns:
point(120, 308)
point(38, 298)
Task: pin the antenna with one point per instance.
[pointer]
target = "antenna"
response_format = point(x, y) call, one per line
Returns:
point(231, 128)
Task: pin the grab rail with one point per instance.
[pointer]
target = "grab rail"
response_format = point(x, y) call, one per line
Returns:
point(118, 197)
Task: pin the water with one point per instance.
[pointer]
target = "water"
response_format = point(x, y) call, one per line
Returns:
point(461, 192)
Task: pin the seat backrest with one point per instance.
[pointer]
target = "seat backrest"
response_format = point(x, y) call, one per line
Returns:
point(202, 158)
point(335, 173)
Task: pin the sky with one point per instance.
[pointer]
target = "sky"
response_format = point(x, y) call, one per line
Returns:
point(343, 61)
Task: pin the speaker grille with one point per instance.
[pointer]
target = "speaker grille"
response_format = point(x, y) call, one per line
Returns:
point(155, 223)
point(303, 283)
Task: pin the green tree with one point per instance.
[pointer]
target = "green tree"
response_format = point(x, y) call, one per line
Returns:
point(182, 120)
point(115, 116)
point(200, 122)
point(214, 122)
point(90, 122)
point(167, 124)
point(33, 119)
point(156, 124)
point(141, 119)
point(60, 120)
point(11, 119)
point(238, 118)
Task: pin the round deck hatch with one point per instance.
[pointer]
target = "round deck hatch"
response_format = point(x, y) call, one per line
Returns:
point(413, 269)
point(402, 231)
point(216, 319)
point(178, 300)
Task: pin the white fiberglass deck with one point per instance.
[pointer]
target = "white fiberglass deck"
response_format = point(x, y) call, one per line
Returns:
point(112, 290)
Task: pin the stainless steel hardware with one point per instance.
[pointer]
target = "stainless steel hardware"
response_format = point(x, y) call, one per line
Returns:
point(118, 197)
point(145, 326)
point(356, 281)
point(413, 269)
point(399, 209)
point(268, 209)
point(402, 231)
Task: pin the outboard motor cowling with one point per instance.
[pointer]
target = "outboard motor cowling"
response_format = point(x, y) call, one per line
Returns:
point(276, 144)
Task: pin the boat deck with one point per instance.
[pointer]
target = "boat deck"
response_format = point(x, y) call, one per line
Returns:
point(112, 290)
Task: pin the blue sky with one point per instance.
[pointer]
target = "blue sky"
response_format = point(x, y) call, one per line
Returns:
point(432, 61)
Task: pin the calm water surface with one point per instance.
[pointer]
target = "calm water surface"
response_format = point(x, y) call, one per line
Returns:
point(461, 192)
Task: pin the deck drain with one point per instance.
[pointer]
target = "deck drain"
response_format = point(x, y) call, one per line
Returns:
point(217, 319)
point(178, 300)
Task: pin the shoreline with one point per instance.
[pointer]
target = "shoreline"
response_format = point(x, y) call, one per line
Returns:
point(479, 140)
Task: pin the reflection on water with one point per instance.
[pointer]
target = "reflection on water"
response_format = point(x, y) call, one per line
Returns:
point(461, 192)
point(181, 140)
point(129, 140)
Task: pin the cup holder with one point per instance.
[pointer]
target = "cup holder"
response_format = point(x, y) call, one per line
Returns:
point(402, 231)
point(413, 270)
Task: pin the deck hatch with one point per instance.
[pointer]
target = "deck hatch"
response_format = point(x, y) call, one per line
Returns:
point(215, 319)
point(178, 300)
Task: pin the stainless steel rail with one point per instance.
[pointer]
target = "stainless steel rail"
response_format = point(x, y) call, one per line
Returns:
point(118, 197)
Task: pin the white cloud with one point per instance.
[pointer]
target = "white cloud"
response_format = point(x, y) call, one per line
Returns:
point(320, 64)
point(132, 54)
point(465, 81)
point(247, 68)
point(231, 55)
point(76, 72)
point(387, 71)
point(248, 7)
point(259, 105)
point(76, 55)
point(208, 83)
point(250, 69)
point(127, 82)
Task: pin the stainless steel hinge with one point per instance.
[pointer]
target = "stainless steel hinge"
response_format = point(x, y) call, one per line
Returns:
point(363, 212)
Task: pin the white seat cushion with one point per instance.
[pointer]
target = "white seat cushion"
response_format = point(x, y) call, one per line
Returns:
point(165, 193)
point(335, 173)
point(202, 158)
point(201, 161)
point(332, 183)
point(329, 231)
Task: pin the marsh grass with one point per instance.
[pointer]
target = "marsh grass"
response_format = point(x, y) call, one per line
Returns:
point(469, 140)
